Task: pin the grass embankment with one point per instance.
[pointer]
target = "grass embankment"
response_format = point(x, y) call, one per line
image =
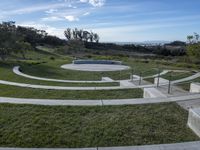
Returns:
point(18, 92)
point(52, 70)
point(44, 126)
point(8, 75)
point(41, 64)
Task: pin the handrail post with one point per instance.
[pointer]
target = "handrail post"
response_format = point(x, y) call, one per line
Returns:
point(158, 80)
point(169, 85)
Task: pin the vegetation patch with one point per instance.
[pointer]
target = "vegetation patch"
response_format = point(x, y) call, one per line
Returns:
point(44, 126)
point(18, 92)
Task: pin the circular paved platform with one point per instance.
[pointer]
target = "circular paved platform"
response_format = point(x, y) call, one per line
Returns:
point(95, 67)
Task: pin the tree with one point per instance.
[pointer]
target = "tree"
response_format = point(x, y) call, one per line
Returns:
point(91, 36)
point(86, 36)
point(193, 50)
point(81, 35)
point(8, 37)
point(193, 38)
point(190, 38)
point(22, 47)
point(67, 34)
point(96, 38)
point(196, 36)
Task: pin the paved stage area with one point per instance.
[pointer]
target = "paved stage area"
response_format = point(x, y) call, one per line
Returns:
point(95, 67)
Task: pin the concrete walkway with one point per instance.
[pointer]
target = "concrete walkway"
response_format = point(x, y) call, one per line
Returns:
point(197, 75)
point(176, 146)
point(57, 102)
point(93, 88)
point(17, 71)
point(47, 87)
point(156, 75)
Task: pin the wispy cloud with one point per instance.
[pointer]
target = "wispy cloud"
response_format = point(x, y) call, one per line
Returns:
point(52, 18)
point(95, 3)
point(71, 18)
point(50, 11)
point(86, 14)
point(36, 8)
point(110, 18)
point(59, 32)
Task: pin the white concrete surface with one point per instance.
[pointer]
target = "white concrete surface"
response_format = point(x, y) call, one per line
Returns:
point(107, 79)
point(194, 120)
point(195, 87)
point(156, 75)
point(197, 75)
point(57, 102)
point(152, 93)
point(161, 81)
point(195, 145)
point(135, 77)
point(61, 87)
point(126, 83)
point(95, 67)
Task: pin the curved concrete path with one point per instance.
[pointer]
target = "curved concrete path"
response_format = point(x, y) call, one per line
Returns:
point(93, 88)
point(176, 146)
point(101, 102)
point(156, 75)
point(17, 71)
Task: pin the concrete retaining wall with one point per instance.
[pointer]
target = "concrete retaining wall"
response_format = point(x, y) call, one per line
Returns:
point(161, 80)
point(135, 77)
point(194, 120)
point(109, 62)
point(107, 79)
point(152, 93)
point(195, 87)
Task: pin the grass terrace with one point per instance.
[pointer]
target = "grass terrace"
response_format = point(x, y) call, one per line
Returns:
point(75, 127)
point(19, 92)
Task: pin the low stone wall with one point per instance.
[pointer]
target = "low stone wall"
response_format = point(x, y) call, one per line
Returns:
point(194, 120)
point(195, 88)
point(161, 80)
point(152, 93)
point(109, 62)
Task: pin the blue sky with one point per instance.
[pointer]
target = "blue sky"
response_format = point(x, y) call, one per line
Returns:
point(113, 20)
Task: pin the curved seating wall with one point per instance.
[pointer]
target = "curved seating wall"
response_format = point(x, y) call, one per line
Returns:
point(108, 62)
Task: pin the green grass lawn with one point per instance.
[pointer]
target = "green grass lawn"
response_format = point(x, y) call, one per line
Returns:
point(40, 63)
point(52, 69)
point(19, 92)
point(44, 126)
point(177, 75)
point(173, 76)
